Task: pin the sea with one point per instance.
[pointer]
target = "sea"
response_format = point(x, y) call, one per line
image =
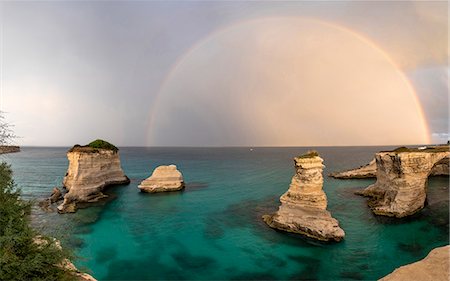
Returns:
point(213, 229)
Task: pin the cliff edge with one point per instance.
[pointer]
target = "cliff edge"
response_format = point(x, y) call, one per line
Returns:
point(91, 169)
point(402, 174)
point(303, 206)
point(434, 267)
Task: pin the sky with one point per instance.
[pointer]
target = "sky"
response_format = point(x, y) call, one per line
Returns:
point(225, 73)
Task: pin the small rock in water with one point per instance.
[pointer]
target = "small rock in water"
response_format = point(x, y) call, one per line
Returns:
point(163, 178)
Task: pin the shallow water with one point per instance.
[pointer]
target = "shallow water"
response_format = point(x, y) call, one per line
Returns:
point(213, 229)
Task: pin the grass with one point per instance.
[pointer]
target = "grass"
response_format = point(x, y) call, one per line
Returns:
point(429, 149)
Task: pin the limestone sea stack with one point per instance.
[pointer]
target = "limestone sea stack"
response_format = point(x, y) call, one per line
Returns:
point(303, 206)
point(434, 267)
point(91, 169)
point(400, 189)
point(163, 178)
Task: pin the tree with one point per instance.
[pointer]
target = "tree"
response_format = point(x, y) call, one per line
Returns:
point(24, 253)
point(7, 135)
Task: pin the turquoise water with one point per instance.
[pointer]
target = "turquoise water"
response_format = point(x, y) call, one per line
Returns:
point(213, 229)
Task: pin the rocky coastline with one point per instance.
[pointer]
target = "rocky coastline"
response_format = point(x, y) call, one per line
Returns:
point(370, 170)
point(303, 206)
point(434, 267)
point(9, 149)
point(90, 170)
point(402, 174)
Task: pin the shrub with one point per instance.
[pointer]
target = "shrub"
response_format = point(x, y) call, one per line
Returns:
point(103, 144)
point(309, 154)
point(21, 258)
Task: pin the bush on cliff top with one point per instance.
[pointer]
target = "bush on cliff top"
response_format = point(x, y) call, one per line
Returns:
point(103, 144)
point(21, 258)
point(94, 146)
point(309, 154)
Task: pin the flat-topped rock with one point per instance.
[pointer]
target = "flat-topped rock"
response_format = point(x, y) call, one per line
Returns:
point(402, 174)
point(90, 170)
point(434, 267)
point(163, 179)
point(303, 206)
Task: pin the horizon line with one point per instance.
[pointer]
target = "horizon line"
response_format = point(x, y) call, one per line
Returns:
point(235, 146)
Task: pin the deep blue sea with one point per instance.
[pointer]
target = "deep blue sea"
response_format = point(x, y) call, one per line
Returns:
point(213, 229)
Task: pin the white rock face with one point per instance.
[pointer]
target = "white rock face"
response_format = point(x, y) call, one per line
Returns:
point(400, 189)
point(163, 178)
point(303, 206)
point(90, 170)
point(370, 171)
point(367, 171)
point(434, 267)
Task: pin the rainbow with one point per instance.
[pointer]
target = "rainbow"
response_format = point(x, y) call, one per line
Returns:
point(179, 61)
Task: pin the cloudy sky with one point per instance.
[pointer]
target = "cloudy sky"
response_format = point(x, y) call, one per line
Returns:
point(225, 73)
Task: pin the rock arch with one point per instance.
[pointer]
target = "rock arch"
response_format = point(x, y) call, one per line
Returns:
point(402, 177)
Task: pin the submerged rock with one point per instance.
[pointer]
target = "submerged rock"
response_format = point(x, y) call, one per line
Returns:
point(434, 267)
point(163, 178)
point(90, 171)
point(400, 189)
point(303, 206)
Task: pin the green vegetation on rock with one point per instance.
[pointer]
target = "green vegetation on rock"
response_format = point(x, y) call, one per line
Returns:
point(94, 146)
point(103, 144)
point(429, 149)
point(309, 154)
point(24, 253)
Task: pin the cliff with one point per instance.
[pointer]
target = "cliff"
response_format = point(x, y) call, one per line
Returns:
point(163, 178)
point(370, 171)
point(400, 189)
point(367, 171)
point(303, 206)
point(90, 171)
point(434, 267)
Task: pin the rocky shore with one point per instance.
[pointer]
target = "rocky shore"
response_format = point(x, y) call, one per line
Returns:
point(400, 189)
point(434, 267)
point(163, 179)
point(363, 172)
point(303, 206)
point(90, 170)
point(9, 149)
point(441, 168)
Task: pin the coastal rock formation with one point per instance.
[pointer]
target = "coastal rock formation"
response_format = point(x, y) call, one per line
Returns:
point(9, 149)
point(67, 264)
point(434, 267)
point(54, 197)
point(90, 170)
point(366, 171)
point(163, 178)
point(441, 168)
point(303, 206)
point(370, 171)
point(400, 189)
